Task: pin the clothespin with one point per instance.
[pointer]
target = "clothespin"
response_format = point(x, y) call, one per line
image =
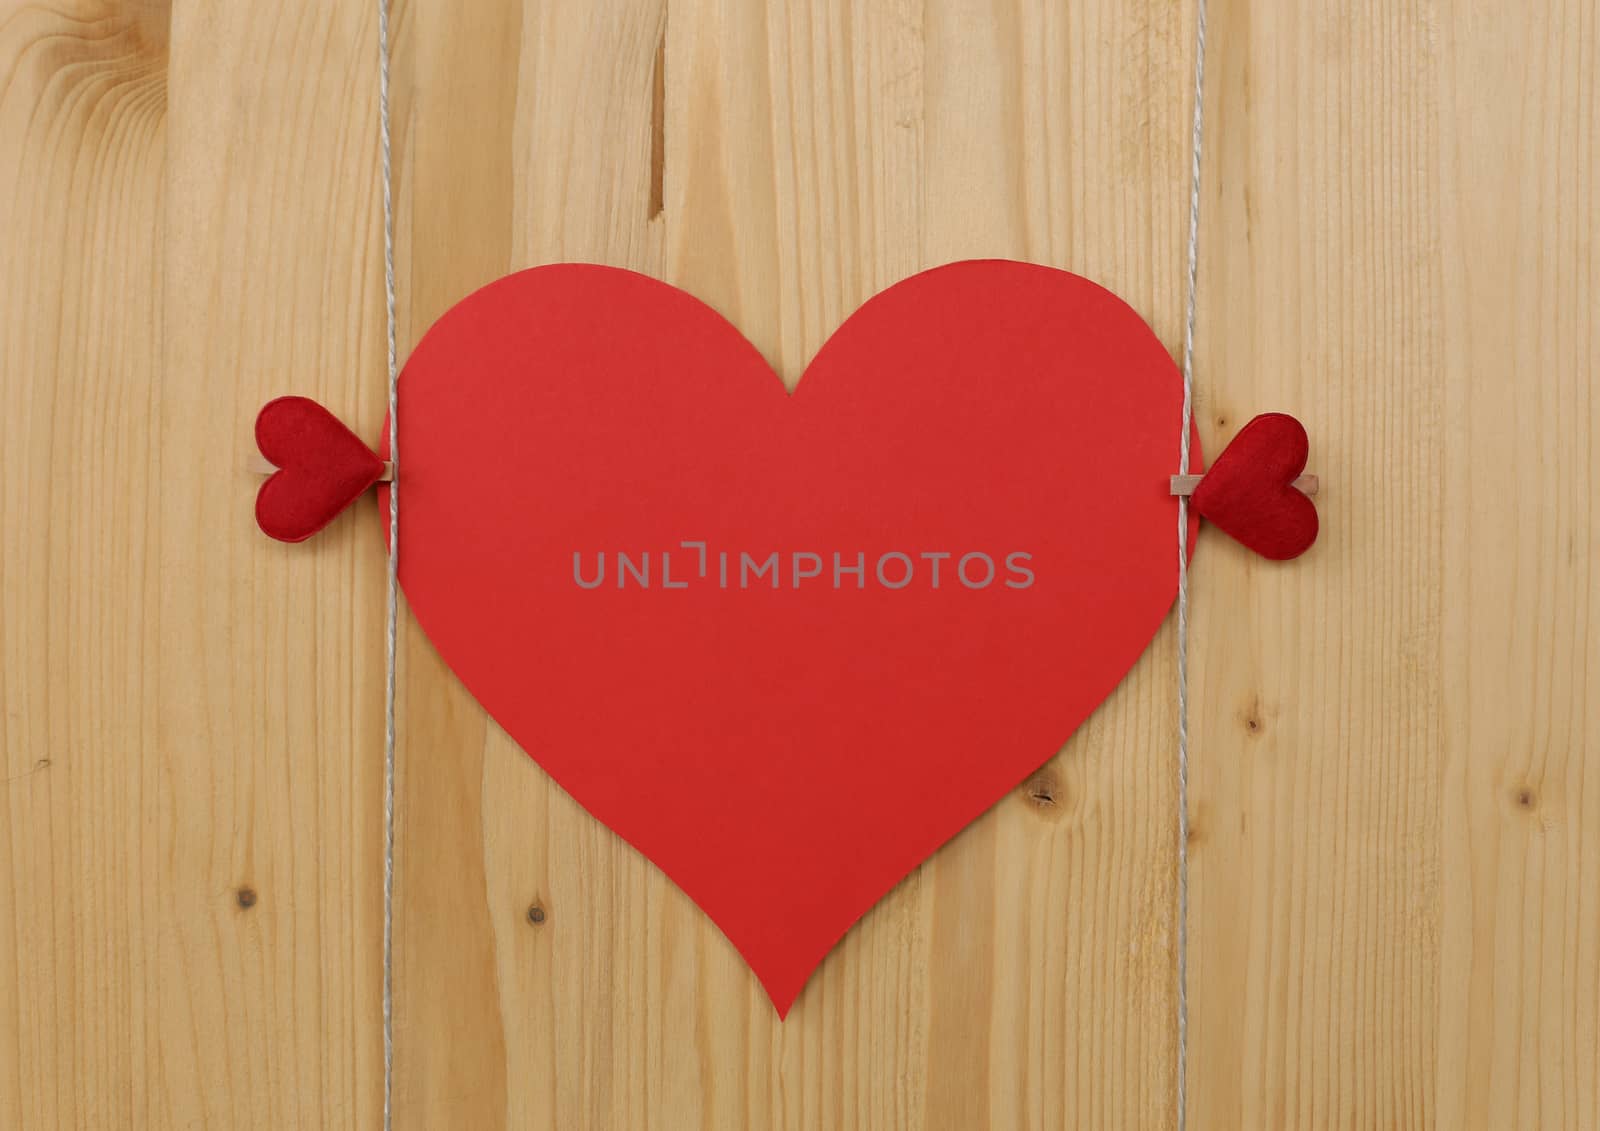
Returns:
point(1256, 491)
point(315, 467)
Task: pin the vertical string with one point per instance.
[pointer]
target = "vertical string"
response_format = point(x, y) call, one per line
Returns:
point(391, 623)
point(1187, 424)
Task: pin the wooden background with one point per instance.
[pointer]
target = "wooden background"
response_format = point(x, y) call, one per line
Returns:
point(1396, 916)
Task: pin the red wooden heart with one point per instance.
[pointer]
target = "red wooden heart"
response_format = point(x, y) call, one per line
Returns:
point(322, 468)
point(1247, 492)
point(985, 447)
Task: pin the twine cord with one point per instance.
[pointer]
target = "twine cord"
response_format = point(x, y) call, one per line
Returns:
point(391, 622)
point(1187, 424)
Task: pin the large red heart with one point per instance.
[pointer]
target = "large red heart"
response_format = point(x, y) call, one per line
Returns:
point(787, 753)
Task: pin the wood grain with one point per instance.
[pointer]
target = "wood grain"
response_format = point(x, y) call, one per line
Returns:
point(1396, 805)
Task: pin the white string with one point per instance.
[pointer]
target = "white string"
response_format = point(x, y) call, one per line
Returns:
point(391, 625)
point(1183, 565)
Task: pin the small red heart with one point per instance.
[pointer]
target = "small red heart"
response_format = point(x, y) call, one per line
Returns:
point(322, 468)
point(1248, 492)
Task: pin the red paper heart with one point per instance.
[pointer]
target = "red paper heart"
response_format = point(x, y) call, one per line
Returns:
point(1248, 492)
point(788, 754)
point(322, 468)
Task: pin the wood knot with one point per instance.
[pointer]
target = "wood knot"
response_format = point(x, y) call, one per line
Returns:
point(1252, 718)
point(246, 897)
point(536, 914)
point(1048, 796)
point(1042, 791)
point(1525, 798)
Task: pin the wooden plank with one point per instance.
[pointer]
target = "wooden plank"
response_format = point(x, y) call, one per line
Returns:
point(1519, 278)
point(271, 656)
point(82, 140)
point(1318, 693)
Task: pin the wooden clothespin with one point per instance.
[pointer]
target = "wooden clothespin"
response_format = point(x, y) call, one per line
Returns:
point(261, 465)
point(1256, 491)
point(315, 467)
point(1181, 484)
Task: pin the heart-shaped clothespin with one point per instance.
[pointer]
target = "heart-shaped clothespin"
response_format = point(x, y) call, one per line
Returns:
point(1255, 491)
point(317, 468)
